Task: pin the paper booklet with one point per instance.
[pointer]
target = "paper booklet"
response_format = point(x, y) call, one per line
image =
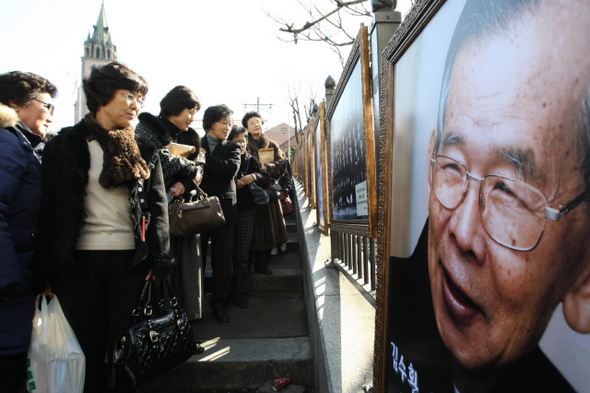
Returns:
point(266, 155)
point(181, 150)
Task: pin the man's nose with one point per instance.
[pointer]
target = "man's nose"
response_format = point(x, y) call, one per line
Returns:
point(466, 224)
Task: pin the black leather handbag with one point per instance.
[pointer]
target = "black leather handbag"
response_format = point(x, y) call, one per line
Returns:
point(274, 191)
point(153, 343)
point(259, 196)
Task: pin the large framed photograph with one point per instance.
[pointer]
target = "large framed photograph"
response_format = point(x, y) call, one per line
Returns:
point(320, 164)
point(484, 253)
point(299, 168)
point(310, 164)
point(352, 159)
point(306, 161)
point(312, 126)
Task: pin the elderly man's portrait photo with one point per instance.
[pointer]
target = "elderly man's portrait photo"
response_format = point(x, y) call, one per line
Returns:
point(493, 291)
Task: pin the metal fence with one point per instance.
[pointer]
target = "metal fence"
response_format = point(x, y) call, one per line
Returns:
point(355, 253)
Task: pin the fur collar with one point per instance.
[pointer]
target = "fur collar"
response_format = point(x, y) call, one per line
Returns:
point(162, 128)
point(261, 143)
point(8, 116)
point(156, 126)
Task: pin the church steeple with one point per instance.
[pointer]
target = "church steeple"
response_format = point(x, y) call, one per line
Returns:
point(100, 46)
point(98, 50)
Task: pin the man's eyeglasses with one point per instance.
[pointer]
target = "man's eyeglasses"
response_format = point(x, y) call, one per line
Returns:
point(131, 99)
point(50, 107)
point(513, 213)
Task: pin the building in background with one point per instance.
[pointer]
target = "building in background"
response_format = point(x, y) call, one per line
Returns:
point(284, 135)
point(98, 50)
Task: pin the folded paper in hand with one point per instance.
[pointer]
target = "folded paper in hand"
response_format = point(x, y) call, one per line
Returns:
point(179, 149)
point(266, 155)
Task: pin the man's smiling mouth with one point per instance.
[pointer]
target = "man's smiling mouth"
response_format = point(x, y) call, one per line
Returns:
point(460, 306)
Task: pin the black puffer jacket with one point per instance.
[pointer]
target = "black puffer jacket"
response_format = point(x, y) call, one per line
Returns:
point(20, 194)
point(66, 161)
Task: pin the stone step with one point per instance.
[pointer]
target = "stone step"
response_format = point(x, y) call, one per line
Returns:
point(269, 314)
point(291, 226)
point(286, 268)
point(237, 364)
point(267, 340)
point(282, 280)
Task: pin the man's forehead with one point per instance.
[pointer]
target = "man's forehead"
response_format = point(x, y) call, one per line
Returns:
point(521, 81)
point(521, 158)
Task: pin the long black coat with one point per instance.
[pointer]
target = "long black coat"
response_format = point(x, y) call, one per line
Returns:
point(20, 196)
point(221, 168)
point(66, 161)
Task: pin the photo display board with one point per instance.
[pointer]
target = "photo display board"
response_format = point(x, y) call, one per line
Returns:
point(349, 166)
point(484, 253)
point(350, 137)
point(320, 164)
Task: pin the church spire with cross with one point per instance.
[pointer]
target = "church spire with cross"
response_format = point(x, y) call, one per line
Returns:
point(98, 50)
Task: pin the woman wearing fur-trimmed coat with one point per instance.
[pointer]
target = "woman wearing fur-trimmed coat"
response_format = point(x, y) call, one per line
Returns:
point(182, 175)
point(270, 230)
point(25, 114)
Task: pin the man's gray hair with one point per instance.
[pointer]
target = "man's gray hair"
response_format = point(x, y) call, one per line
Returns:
point(484, 18)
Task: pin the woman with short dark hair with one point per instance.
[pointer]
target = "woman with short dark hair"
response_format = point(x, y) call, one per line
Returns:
point(251, 171)
point(30, 96)
point(222, 162)
point(181, 175)
point(25, 114)
point(270, 230)
point(104, 216)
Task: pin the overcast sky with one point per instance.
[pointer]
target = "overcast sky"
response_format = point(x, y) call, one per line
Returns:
point(226, 51)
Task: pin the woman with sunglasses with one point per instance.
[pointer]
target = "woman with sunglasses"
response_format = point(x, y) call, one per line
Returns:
point(25, 114)
point(104, 216)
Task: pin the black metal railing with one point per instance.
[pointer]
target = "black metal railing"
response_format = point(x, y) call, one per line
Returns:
point(355, 252)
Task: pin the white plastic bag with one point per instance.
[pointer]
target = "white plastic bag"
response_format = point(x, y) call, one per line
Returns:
point(56, 361)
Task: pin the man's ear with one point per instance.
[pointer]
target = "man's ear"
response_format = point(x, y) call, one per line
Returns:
point(576, 306)
point(431, 146)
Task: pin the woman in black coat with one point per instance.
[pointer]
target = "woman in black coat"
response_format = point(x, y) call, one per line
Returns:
point(104, 218)
point(25, 114)
point(222, 162)
point(251, 171)
point(181, 175)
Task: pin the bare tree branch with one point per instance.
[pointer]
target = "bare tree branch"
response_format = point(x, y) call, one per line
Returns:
point(325, 25)
point(297, 95)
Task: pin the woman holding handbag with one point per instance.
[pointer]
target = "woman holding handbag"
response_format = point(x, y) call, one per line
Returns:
point(270, 230)
point(181, 175)
point(222, 162)
point(251, 172)
point(25, 114)
point(104, 216)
